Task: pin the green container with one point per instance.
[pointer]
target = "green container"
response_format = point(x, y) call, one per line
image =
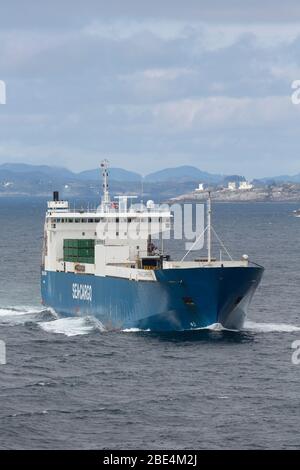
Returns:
point(86, 243)
point(86, 252)
point(69, 243)
point(68, 252)
point(79, 251)
point(72, 243)
point(70, 259)
point(75, 243)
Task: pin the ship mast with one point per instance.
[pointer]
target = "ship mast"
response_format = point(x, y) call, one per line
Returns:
point(209, 228)
point(105, 197)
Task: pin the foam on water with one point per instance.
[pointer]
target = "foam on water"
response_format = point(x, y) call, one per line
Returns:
point(24, 314)
point(214, 327)
point(270, 327)
point(133, 330)
point(49, 321)
point(249, 326)
point(10, 311)
point(73, 326)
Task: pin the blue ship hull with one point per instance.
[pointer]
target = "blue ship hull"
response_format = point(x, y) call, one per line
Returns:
point(179, 299)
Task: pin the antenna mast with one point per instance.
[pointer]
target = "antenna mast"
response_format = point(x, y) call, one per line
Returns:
point(105, 197)
point(209, 228)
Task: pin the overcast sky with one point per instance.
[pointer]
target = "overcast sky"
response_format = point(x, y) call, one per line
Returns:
point(151, 84)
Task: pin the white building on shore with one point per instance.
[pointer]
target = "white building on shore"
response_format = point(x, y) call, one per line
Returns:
point(200, 188)
point(245, 185)
point(232, 185)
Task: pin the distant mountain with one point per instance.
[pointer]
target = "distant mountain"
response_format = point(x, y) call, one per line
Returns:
point(50, 171)
point(183, 174)
point(40, 180)
point(18, 169)
point(116, 174)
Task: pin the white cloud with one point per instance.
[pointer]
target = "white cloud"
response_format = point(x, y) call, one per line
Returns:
point(130, 84)
point(225, 112)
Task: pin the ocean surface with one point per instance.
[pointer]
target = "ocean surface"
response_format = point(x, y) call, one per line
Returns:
point(68, 384)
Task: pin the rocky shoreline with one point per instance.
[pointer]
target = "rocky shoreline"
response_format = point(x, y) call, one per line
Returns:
point(286, 193)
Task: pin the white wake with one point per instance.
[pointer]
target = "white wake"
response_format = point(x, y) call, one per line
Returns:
point(73, 326)
point(16, 311)
point(49, 321)
point(270, 327)
point(24, 314)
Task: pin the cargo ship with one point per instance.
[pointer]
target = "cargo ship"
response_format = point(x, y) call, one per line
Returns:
point(103, 263)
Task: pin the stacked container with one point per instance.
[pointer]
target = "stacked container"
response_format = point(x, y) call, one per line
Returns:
point(79, 251)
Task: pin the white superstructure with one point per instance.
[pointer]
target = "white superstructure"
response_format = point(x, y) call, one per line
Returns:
point(122, 232)
point(127, 238)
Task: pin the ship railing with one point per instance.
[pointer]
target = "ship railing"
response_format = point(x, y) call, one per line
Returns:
point(212, 264)
point(96, 211)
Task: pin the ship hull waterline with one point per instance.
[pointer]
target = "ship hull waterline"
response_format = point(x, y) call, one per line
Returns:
point(179, 299)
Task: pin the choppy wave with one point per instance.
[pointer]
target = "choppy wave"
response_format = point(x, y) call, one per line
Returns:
point(8, 311)
point(24, 314)
point(270, 327)
point(212, 327)
point(50, 322)
point(249, 326)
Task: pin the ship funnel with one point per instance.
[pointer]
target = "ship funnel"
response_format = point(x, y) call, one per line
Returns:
point(56, 196)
